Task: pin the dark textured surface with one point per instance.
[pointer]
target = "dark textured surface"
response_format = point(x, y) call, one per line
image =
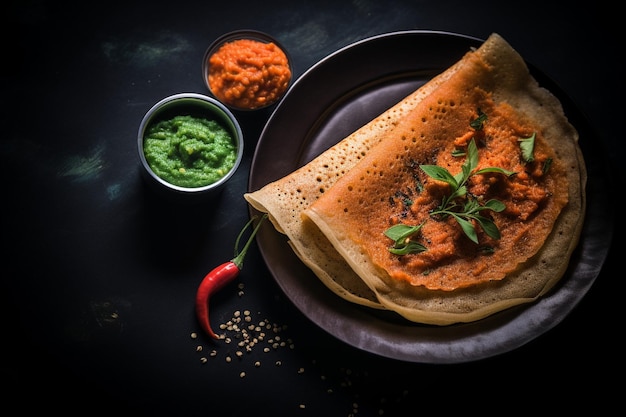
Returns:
point(101, 274)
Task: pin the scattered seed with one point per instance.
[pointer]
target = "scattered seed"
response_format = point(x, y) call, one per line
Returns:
point(199, 348)
point(242, 374)
point(194, 335)
point(203, 359)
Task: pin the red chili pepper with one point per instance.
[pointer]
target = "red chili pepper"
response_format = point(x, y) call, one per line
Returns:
point(220, 276)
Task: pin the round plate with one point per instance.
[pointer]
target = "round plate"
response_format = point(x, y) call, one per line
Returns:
point(338, 95)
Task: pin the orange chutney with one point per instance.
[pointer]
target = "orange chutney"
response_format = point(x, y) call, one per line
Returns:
point(248, 74)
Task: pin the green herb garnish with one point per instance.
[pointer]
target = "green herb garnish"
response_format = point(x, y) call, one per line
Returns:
point(546, 166)
point(402, 242)
point(458, 152)
point(477, 124)
point(527, 146)
point(458, 204)
point(462, 207)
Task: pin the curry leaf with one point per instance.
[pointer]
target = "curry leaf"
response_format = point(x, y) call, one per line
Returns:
point(546, 166)
point(479, 121)
point(467, 226)
point(471, 162)
point(495, 205)
point(527, 146)
point(494, 169)
point(488, 226)
point(400, 232)
point(441, 174)
point(401, 236)
point(411, 247)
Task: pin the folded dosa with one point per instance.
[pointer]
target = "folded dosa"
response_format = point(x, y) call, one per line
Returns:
point(334, 213)
point(285, 199)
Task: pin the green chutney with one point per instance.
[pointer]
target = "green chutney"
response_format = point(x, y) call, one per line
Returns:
point(189, 151)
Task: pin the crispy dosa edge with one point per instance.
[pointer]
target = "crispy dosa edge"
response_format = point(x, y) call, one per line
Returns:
point(536, 276)
point(285, 199)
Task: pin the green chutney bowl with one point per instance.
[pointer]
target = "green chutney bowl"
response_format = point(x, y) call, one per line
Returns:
point(189, 146)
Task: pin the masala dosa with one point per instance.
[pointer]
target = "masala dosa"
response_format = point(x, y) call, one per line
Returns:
point(303, 205)
point(285, 199)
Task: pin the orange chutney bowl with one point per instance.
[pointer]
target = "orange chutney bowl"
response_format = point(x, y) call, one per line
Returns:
point(247, 70)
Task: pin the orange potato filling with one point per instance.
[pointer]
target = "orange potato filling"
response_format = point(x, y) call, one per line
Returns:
point(533, 198)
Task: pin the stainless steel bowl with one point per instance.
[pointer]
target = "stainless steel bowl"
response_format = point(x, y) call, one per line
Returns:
point(196, 105)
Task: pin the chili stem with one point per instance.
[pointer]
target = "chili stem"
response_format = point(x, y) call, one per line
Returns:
point(238, 259)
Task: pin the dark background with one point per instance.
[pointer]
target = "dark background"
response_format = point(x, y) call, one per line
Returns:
point(83, 240)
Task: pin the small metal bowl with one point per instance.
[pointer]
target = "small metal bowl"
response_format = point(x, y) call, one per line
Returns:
point(199, 106)
point(249, 98)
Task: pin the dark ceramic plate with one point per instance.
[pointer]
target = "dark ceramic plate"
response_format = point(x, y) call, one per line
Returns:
point(338, 95)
